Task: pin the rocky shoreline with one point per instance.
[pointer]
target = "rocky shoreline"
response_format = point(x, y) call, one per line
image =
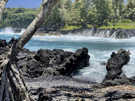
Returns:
point(96, 32)
point(105, 33)
point(48, 75)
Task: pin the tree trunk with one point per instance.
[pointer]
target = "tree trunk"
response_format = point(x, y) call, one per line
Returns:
point(2, 7)
point(13, 87)
point(46, 8)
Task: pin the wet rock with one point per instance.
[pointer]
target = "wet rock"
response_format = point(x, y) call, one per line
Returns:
point(64, 94)
point(34, 69)
point(44, 56)
point(52, 57)
point(76, 61)
point(86, 93)
point(118, 81)
point(115, 64)
point(62, 62)
point(3, 43)
point(82, 57)
point(29, 66)
point(43, 96)
point(51, 62)
point(117, 95)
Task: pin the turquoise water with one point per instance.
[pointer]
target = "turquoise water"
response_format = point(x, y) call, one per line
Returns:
point(100, 50)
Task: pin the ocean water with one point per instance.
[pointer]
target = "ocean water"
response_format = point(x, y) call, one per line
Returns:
point(100, 50)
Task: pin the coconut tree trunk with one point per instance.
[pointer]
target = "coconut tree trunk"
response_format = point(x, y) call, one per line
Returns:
point(12, 86)
point(46, 8)
point(2, 7)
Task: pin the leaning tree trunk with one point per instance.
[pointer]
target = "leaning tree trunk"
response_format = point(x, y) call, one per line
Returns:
point(45, 11)
point(2, 7)
point(13, 87)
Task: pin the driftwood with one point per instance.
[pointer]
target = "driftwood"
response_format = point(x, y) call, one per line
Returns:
point(13, 87)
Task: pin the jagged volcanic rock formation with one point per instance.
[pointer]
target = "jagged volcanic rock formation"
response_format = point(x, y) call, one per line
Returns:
point(115, 64)
point(49, 62)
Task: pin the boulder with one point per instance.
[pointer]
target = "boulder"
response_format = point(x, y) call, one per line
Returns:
point(51, 57)
point(75, 62)
point(115, 64)
point(3, 43)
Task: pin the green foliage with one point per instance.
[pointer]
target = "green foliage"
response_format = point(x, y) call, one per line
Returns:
point(101, 13)
point(117, 6)
point(123, 24)
point(54, 18)
point(69, 15)
point(18, 17)
point(129, 12)
point(60, 15)
point(65, 28)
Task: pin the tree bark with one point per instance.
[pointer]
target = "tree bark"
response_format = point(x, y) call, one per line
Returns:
point(2, 7)
point(46, 8)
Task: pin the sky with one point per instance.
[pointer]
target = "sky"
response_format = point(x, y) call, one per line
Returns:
point(24, 3)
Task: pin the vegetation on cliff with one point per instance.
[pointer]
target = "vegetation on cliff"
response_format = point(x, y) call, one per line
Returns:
point(68, 15)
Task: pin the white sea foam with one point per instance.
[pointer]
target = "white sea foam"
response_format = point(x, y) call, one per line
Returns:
point(7, 30)
point(82, 38)
point(69, 49)
point(66, 38)
point(10, 31)
point(95, 72)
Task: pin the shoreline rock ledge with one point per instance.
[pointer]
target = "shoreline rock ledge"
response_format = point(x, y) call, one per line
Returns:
point(47, 62)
